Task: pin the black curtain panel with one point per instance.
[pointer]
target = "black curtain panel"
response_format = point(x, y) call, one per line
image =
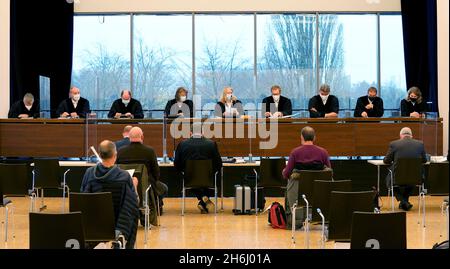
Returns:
point(420, 45)
point(41, 44)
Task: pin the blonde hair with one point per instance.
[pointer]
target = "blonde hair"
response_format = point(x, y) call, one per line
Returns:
point(223, 99)
point(417, 92)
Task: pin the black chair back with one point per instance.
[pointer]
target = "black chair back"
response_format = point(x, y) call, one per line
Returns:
point(97, 227)
point(378, 231)
point(408, 171)
point(198, 173)
point(306, 183)
point(140, 173)
point(342, 206)
point(56, 231)
point(322, 193)
point(14, 179)
point(47, 173)
point(270, 173)
point(438, 178)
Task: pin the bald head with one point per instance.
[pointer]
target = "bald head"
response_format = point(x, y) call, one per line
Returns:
point(74, 90)
point(405, 132)
point(136, 135)
point(308, 134)
point(126, 94)
point(107, 151)
point(126, 131)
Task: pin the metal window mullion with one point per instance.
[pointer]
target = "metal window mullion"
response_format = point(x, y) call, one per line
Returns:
point(379, 54)
point(193, 60)
point(317, 53)
point(255, 56)
point(131, 52)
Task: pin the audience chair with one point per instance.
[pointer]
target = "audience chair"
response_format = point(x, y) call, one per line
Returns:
point(126, 209)
point(409, 171)
point(199, 174)
point(438, 178)
point(342, 206)
point(321, 196)
point(46, 175)
point(56, 231)
point(378, 230)
point(97, 227)
point(270, 176)
point(148, 199)
point(13, 182)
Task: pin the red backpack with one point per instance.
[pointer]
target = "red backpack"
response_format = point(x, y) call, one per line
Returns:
point(277, 216)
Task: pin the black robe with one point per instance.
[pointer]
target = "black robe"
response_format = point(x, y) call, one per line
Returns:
point(363, 101)
point(19, 108)
point(172, 110)
point(67, 106)
point(220, 108)
point(284, 106)
point(134, 107)
point(407, 107)
point(332, 105)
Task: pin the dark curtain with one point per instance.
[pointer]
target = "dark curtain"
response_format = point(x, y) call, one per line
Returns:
point(419, 19)
point(41, 44)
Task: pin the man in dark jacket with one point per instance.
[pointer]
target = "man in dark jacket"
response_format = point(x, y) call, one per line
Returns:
point(140, 153)
point(126, 107)
point(75, 106)
point(108, 172)
point(276, 105)
point(369, 105)
point(323, 105)
point(199, 148)
point(405, 147)
point(125, 141)
point(26, 108)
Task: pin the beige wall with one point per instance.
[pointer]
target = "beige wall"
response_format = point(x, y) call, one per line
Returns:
point(4, 57)
point(443, 70)
point(87, 6)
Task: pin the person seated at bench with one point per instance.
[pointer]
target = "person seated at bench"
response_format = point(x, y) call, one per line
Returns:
point(308, 156)
point(107, 172)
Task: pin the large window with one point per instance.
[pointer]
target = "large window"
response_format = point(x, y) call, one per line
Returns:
point(224, 56)
point(287, 56)
point(101, 62)
point(393, 80)
point(299, 52)
point(162, 58)
point(348, 56)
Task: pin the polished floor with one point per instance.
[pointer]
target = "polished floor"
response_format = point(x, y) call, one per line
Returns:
point(227, 231)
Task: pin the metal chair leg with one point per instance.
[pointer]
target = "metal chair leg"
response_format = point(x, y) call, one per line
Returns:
point(419, 201)
point(392, 191)
point(182, 201)
point(6, 224)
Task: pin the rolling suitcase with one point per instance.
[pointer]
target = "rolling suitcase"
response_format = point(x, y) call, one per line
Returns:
point(242, 201)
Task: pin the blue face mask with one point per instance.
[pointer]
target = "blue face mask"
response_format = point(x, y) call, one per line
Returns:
point(125, 102)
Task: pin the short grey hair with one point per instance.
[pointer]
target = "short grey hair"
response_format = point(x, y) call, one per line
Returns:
point(406, 131)
point(107, 149)
point(28, 96)
point(324, 88)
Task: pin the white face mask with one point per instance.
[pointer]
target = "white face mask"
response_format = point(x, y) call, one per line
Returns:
point(276, 98)
point(229, 96)
point(324, 98)
point(183, 98)
point(76, 97)
point(28, 107)
point(125, 102)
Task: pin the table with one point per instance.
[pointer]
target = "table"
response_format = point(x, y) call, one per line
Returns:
point(341, 137)
point(251, 164)
point(379, 163)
